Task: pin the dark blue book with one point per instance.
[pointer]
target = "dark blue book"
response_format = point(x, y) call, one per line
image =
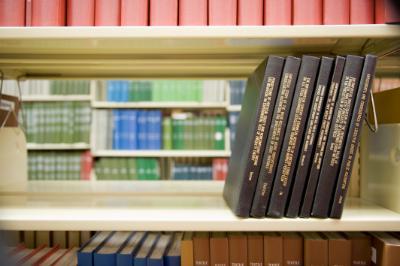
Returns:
point(173, 256)
point(106, 255)
point(142, 128)
point(132, 129)
point(85, 253)
point(126, 253)
point(140, 259)
point(154, 122)
point(156, 257)
point(125, 121)
point(116, 130)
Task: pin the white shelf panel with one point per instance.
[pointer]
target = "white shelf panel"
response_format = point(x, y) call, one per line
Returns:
point(141, 52)
point(169, 105)
point(58, 146)
point(161, 153)
point(55, 98)
point(234, 108)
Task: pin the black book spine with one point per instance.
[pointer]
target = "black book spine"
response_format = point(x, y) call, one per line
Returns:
point(337, 136)
point(313, 175)
point(275, 137)
point(293, 135)
point(244, 166)
point(353, 136)
point(312, 128)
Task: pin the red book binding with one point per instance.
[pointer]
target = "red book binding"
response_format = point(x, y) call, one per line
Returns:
point(107, 13)
point(86, 165)
point(387, 11)
point(250, 12)
point(48, 13)
point(134, 12)
point(28, 13)
point(163, 12)
point(307, 12)
point(222, 12)
point(12, 13)
point(362, 12)
point(278, 12)
point(193, 13)
point(336, 12)
point(80, 12)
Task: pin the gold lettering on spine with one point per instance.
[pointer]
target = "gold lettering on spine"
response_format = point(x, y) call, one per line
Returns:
point(265, 107)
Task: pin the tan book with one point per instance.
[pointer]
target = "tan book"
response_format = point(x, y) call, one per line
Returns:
point(360, 248)
point(385, 249)
point(315, 249)
point(255, 249)
point(219, 249)
point(237, 249)
point(29, 239)
point(292, 249)
point(339, 249)
point(73, 239)
point(42, 238)
point(273, 249)
point(187, 249)
point(201, 248)
point(85, 237)
point(60, 238)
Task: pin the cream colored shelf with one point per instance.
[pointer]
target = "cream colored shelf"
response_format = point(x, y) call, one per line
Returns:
point(58, 146)
point(161, 153)
point(169, 105)
point(140, 52)
point(234, 108)
point(55, 98)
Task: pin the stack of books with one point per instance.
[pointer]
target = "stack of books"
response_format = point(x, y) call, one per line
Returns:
point(297, 136)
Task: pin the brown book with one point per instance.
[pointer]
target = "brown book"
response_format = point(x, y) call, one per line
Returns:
point(273, 249)
point(201, 248)
point(292, 249)
point(339, 249)
point(187, 249)
point(237, 249)
point(219, 249)
point(255, 249)
point(360, 248)
point(385, 249)
point(315, 249)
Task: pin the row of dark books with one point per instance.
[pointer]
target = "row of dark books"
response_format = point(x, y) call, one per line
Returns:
point(297, 136)
point(199, 12)
point(236, 90)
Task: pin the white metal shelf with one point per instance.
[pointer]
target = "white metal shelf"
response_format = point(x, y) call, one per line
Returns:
point(161, 153)
point(58, 146)
point(169, 105)
point(55, 98)
point(140, 52)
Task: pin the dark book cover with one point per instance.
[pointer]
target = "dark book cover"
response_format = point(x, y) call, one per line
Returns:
point(360, 248)
point(315, 249)
point(255, 249)
point(353, 135)
point(237, 248)
point(318, 153)
point(294, 135)
point(339, 249)
point(253, 125)
point(337, 136)
point(385, 249)
point(275, 137)
point(309, 139)
point(201, 249)
point(273, 249)
point(219, 249)
point(292, 249)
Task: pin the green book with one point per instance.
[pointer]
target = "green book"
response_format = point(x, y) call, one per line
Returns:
point(140, 168)
point(157, 91)
point(219, 132)
point(167, 133)
point(131, 166)
point(106, 164)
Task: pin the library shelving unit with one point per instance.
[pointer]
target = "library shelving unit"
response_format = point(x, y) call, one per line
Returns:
point(58, 146)
point(174, 52)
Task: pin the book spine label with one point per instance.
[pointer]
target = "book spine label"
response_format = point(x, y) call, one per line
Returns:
point(275, 137)
point(255, 249)
point(201, 250)
point(353, 136)
point(336, 12)
point(309, 140)
point(80, 13)
point(107, 13)
point(278, 12)
point(293, 135)
point(336, 136)
point(250, 12)
point(134, 12)
point(313, 175)
point(163, 12)
point(307, 12)
point(193, 13)
point(222, 12)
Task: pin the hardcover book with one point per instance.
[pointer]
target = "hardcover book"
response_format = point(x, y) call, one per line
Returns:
point(201, 249)
point(126, 253)
point(339, 249)
point(193, 13)
point(219, 249)
point(222, 12)
point(278, 12)
point(134, 12)
point(187, 249)
point(336, 12)
point(250, 12)
point(273, 249)
point(163, 12)
point(255, 249)
point(315, 249)
point(141, 257)
point(12, 13)
point(385, 249)
point(106, 255)
point(237, 249)
point(48, 13)
point(362, 12)
point(107, 13)
point(292, 249)
point(360, 248)
point(307, 12)
point(80, 12)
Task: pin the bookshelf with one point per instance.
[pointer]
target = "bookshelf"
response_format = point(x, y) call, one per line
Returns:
point(56, 98)
point(172, 52)
point(160, 105)
point(58, 146)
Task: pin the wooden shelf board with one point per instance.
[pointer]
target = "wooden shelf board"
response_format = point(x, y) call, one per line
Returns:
point(161, 153)
point(58, 146)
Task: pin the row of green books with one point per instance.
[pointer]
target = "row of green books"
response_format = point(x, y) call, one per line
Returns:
point(127, 169)
point(57, 122)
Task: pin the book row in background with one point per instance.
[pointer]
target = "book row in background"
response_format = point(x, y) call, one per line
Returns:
point(131, 129)
point(220, 249)
point(73, 165)
point(301, 137)
point(199, 12)
point(57, 122)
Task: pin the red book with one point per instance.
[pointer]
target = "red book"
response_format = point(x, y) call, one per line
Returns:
point(362, 12)
point(278, 12)
point(336, 12)
point(222, 12)
point(307, 12)
point(86, 165)
point(193, 13)
point(250, 12)
point(387, 11)
point(107, 12)
point(134, 12)
point(48, 13)
point(80, 12)
point(163, 12)
point(28, 13)
point(12, 13)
